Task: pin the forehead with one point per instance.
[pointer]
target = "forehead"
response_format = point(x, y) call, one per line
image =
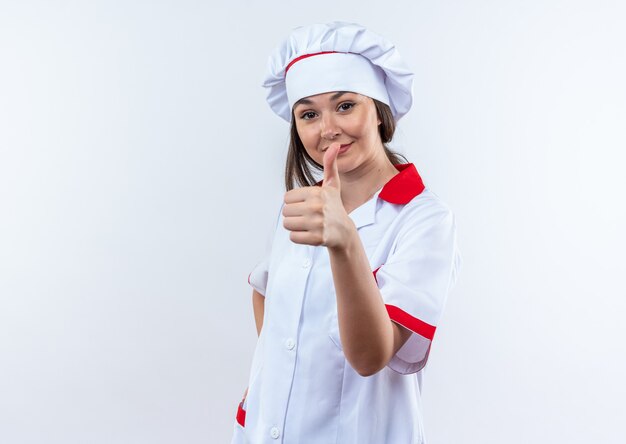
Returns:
point(323, 97)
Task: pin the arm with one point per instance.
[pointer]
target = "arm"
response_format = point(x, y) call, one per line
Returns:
point(258, 305)
point(369, 338)
point(317, 216)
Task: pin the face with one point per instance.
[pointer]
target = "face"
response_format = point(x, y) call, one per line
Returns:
point(344, 117)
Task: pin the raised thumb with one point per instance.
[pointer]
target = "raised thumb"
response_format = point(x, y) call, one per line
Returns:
point(331, 172)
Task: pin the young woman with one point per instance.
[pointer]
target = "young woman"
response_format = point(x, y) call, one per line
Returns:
point(347, 302)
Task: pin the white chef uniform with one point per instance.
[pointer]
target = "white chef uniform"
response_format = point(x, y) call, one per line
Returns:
point(302, 390)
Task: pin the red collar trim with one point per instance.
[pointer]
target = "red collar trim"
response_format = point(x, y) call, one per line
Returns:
point(402, 187)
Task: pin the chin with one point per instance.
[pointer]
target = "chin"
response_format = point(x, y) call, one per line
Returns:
point(345, 165)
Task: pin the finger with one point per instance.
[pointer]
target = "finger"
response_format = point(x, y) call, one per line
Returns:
point(305, 238)
point(331, 171)
point(300, 223)
point(296, 209)
point(299, 194)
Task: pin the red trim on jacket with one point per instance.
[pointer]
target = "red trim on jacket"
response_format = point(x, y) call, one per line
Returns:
point(402, 187)
point(376, 271)
point(241, 415)
point(406, 320)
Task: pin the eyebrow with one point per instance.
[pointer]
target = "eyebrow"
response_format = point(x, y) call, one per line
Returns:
point(308, 102)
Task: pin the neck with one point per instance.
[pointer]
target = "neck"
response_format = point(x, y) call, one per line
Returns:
point(358, 186)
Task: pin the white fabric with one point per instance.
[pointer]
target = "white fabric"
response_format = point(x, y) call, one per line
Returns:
point(340, 37)
point(339, 72)
point(301, 386)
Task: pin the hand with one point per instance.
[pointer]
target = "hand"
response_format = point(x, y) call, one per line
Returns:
point(316, 215)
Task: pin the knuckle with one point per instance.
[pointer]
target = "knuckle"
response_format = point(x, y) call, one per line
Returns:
point(318, 208)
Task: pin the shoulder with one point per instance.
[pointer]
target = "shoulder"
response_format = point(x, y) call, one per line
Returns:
point(427, 208)
point(425, 228)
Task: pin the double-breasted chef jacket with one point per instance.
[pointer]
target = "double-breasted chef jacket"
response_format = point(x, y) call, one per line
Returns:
point(301, 388)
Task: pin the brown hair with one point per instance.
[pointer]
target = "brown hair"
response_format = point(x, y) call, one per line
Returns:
point(300, 166)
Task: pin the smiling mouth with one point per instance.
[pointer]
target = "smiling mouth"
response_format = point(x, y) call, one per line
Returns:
point(341, 148)
point(344, 148)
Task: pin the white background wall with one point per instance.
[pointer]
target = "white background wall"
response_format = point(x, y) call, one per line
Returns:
point(140, 173)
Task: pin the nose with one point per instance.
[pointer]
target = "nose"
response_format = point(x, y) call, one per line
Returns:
point(328, 127)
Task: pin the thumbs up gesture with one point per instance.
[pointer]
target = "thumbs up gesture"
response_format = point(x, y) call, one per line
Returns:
point(331, 171)
point(316, 215)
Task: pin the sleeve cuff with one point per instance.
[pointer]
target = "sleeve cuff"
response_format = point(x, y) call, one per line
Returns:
point(413, 355)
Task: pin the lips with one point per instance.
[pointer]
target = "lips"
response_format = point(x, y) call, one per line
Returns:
point(344, 148)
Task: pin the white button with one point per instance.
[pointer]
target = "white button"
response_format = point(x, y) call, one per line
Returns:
point(274, 432)
point(306, 263)
point(290, 344)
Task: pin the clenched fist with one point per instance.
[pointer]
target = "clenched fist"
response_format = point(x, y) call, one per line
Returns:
point(316, 215)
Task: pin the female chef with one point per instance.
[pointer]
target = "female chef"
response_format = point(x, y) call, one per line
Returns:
point(361, 262)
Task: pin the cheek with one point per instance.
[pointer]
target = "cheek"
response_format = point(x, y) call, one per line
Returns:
point(309, 141)
point(365, 132)
point(308, 138)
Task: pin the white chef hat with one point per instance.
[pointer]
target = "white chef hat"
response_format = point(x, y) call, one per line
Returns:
point(337, 56)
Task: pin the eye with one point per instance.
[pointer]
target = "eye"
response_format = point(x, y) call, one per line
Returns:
point(307, 115)
point(345, 106)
